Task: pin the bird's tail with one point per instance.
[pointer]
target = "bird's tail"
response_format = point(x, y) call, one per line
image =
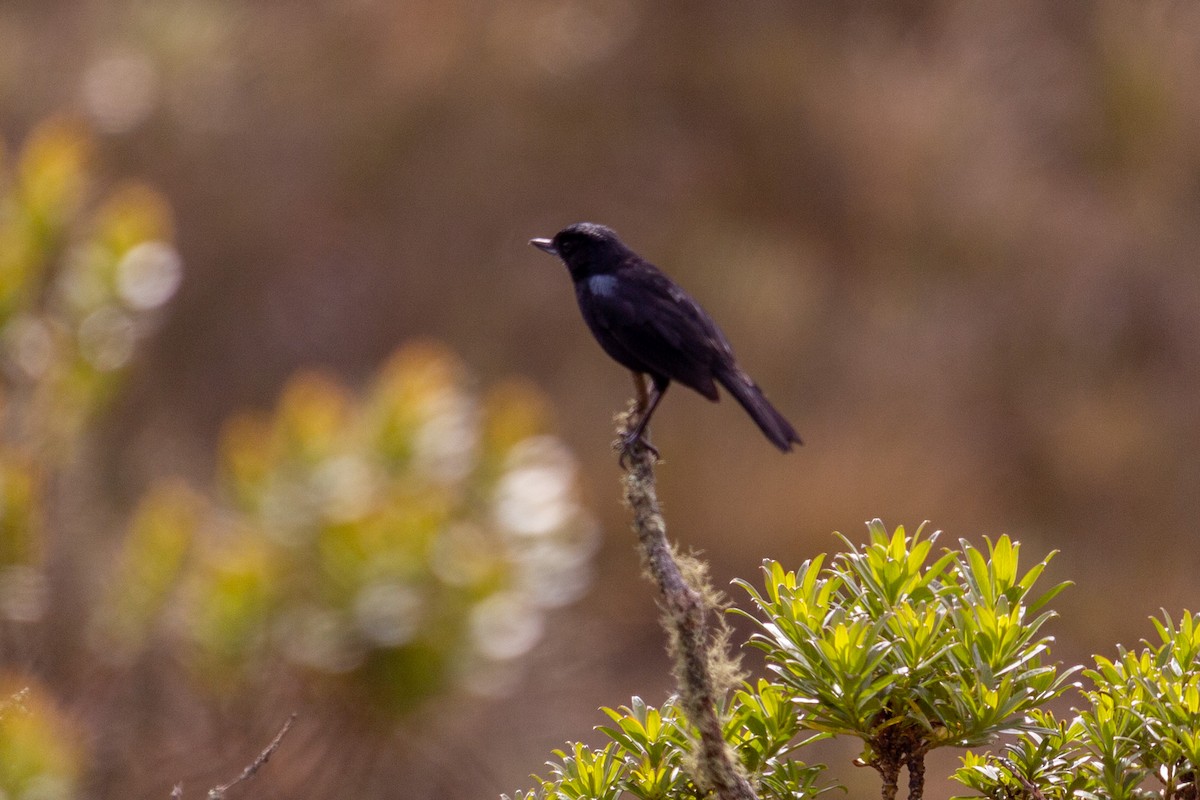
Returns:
point(745, 391)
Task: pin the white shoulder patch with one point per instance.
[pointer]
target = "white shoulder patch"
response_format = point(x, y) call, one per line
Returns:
point(603, 285)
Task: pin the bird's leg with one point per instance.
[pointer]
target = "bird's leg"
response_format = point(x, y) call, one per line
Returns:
point(639, 430)
point(647, 400)
point(641, 383)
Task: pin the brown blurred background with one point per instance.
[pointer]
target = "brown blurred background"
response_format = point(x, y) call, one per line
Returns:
point(956, 244)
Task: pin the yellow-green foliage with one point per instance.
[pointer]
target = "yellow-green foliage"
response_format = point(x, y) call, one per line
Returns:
point(391, 543)
point(82, 269)
point(20, 507)
point(39, 746)
point(160, 535)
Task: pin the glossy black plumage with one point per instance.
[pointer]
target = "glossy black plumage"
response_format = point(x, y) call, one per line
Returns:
point(647, 323)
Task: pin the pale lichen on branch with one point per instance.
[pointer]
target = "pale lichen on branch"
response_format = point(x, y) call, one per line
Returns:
point(685, 617)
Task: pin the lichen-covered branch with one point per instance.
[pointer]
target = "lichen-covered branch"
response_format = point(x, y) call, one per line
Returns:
point(685, 611)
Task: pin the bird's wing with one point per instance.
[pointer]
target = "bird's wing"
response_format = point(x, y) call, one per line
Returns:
point(659, 326)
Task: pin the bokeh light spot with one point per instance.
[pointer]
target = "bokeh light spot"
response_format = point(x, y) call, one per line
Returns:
point(346, 487)
point(445, 445)
point(388, 613)
point(23, 593)
point(505, 626)
point(119, 91)
point(319, 638)
point(106, 338)
point(534, 497)
point(149, 274)
point(30, 345)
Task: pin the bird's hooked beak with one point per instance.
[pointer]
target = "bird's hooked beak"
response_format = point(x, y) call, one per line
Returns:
point(546, 245)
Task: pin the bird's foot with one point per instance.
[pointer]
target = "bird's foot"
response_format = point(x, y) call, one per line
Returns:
point(628, 445)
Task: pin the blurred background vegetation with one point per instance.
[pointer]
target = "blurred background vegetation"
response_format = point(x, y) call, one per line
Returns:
point(954, 242)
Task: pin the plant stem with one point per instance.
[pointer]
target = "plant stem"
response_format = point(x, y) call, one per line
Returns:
point(684, 612)
point(916, 776)
point(890, 772)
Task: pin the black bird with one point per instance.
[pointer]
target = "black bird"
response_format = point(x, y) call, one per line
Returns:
point(646, 323)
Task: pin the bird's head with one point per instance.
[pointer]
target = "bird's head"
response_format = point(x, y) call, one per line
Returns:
point(586, 248)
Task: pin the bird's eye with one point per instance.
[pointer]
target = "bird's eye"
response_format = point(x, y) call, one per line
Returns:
point(566, 246)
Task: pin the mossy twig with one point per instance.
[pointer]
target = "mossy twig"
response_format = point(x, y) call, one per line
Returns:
point(685, 610)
